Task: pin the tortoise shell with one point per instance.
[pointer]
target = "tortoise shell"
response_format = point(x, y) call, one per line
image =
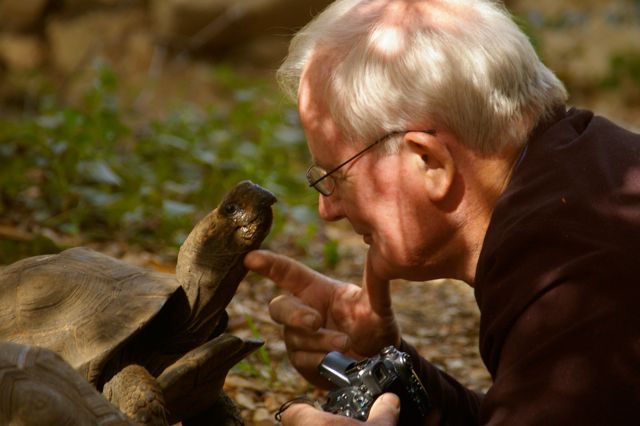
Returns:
point(80, 304)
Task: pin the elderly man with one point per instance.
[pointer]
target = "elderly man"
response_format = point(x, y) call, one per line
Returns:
point(440, 136)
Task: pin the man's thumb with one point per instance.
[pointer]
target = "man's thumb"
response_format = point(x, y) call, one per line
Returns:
point(385, 410)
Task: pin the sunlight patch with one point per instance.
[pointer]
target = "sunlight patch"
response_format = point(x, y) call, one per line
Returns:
point(388, 40)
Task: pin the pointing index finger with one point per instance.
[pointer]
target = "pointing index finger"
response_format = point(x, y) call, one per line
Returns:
point(287, 273)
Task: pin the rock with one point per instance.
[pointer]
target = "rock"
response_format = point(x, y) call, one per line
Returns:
point(78, 6)
point(106, 32)
point(194, 24)
point(21, 52)
point(19, 15)
point(592, 64)
point(590, 32)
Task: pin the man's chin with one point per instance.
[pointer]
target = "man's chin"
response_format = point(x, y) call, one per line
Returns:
point(379, 266)
point(385, 270)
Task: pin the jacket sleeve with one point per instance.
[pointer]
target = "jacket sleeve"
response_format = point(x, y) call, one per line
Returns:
point(451, 402)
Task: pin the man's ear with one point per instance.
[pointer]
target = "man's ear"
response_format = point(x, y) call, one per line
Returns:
point(436, 159)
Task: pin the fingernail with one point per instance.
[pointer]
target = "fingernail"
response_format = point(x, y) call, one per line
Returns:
point(340, 342)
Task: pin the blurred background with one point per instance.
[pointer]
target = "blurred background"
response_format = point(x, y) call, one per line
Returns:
point(124, 121)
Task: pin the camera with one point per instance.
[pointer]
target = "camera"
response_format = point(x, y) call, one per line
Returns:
point(359, 383)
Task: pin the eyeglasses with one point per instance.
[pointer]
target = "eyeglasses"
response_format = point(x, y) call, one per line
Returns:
point(324, 183)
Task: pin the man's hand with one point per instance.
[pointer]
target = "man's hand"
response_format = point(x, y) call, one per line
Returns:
point(322, 314)
point(384, 412)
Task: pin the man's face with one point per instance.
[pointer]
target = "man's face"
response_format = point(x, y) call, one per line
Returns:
point(382, 196)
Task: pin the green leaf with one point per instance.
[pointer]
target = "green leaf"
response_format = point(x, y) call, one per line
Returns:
point(175, 208)
point(99, 171)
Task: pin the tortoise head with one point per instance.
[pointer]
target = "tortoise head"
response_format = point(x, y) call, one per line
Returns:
point(210, 262)
point(246, 211)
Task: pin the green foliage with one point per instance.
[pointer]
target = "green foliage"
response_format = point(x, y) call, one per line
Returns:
point(529, 29)
point(87, 169)
point(624, 67)
point(260, 363)
point(331, 254)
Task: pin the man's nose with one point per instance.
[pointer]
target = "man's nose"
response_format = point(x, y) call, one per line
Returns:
point(330, 208)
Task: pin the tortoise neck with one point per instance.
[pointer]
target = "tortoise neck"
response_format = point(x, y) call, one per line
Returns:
point(208, 273)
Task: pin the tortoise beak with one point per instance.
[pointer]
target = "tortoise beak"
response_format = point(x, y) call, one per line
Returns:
point(264, 198)
point(255, 202)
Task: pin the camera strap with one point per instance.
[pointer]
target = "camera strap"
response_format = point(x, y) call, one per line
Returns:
point(296, 400)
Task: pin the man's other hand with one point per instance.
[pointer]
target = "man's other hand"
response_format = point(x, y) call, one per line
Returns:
point(384, 412)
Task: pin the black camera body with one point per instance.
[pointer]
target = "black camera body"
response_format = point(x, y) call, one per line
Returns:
point(360, 383)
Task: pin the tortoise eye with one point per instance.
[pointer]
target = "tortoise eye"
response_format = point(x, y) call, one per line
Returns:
point(230, 208)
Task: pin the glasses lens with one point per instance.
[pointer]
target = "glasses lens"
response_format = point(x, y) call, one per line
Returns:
point(316, 178)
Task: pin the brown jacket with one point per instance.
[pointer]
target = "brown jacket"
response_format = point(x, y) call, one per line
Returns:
point(558, 286)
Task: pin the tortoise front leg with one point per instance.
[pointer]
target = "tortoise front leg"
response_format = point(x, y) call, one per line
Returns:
point(137, 394)
point(194, 382)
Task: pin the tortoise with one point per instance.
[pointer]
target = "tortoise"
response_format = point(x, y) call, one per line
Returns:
point(102, 315)
point(37, 387)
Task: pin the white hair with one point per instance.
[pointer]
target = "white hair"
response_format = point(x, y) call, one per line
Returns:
point(462, 64)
